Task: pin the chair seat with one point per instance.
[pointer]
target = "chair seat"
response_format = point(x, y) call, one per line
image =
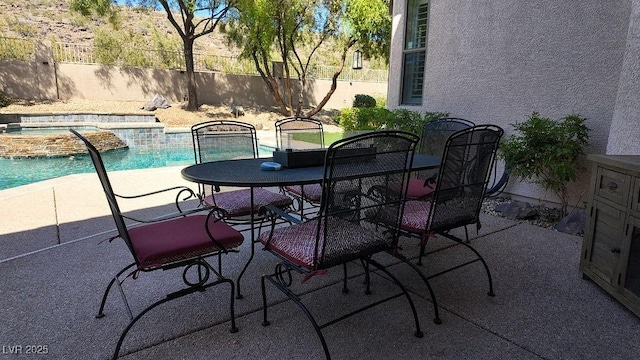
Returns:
point(297, 243)
point(416, 213)
point(181, 238)
point(238, 202)
point(418, 190)
point(312, 192)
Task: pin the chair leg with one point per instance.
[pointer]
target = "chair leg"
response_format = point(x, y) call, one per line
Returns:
point(436, 318)
point(486, 267)
point(106, 292)
point(283, 287)
point(345, 289)
point(418, 333)
point(172, 296)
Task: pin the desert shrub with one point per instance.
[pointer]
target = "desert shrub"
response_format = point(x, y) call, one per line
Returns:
point(5, 100)
point(547, 152)
point(364, 101)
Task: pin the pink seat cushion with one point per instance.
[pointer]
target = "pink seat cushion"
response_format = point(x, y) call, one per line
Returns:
point(415, 215)
point(297, 243)
point(312, 192)
point(238, 202)
point(181, 238)
point(418, 190)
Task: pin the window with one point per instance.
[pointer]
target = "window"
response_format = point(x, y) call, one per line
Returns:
point(415, 45)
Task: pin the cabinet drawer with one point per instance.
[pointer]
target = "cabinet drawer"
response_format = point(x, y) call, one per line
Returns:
point(613, 185)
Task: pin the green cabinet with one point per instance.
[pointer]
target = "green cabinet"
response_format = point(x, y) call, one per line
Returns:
point(611, 247)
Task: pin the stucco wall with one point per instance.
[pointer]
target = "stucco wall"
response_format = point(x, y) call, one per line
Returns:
point(498, 61)
point(42, 79)
point(624, 137)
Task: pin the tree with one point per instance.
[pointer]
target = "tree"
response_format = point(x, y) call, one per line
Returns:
point(293, 31)
point(188, 26)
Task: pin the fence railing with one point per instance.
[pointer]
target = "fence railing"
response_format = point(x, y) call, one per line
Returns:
point(167, 59)
point(19, 49)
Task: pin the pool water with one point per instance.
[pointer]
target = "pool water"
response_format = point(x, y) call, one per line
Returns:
point(17, 172)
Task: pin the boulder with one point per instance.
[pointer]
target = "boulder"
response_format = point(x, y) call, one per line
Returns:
point(572, 223)
point(517, 210)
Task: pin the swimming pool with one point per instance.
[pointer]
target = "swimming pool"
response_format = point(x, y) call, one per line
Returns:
point(17, 172)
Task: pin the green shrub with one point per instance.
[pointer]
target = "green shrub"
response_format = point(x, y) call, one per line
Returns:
point(546, 152)
point(364, 118)
point(5, 100)
point(364, 101)
point(380, 118)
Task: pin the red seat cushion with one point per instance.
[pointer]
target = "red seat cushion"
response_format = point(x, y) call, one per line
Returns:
point(312, 192)
point(297, 243)
point(181, 238)
point(418, 190)
point(238, 202)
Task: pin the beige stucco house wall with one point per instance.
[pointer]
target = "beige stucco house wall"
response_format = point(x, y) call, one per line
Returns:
point(498, 61)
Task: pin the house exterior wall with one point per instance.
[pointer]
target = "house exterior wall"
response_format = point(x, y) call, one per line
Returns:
point(624, 137)
point(499, 61)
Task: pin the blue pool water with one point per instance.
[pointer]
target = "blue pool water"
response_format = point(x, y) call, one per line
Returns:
point(16, 172)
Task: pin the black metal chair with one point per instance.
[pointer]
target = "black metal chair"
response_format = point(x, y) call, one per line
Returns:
point(298, 133)
point(180, 240)
point(460, 190)
point(346, 228)
point(226, 140)
point(434, 137)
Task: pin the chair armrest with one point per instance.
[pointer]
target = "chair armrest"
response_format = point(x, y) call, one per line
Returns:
point(278, 212)
point(219, 213)
point(184, 193)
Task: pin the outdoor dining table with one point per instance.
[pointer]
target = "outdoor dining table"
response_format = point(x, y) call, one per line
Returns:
point(248, 173)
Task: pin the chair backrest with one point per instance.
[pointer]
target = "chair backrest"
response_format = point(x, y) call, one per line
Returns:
point(435, 134)
point(462, 181)
point(354, 168)
point(224, 140)
point(299, 133)
point(96, 158)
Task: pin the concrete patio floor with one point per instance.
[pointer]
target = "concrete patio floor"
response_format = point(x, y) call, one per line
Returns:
point(55, 264)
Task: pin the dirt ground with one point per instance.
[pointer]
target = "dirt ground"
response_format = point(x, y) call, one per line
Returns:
point(175, 116)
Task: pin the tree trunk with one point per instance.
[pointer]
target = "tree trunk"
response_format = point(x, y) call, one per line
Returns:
point(192, 91)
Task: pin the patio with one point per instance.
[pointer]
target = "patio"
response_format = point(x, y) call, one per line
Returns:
point(53, 278)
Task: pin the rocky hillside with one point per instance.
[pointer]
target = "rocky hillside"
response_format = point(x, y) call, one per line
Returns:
point(52, 19)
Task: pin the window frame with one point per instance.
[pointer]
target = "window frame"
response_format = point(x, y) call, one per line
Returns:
point(406, 51)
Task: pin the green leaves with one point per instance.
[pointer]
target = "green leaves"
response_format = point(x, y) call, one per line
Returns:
point(547, 151)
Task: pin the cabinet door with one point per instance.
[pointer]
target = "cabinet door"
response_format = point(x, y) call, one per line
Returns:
point(631, 259)
point(606, 234)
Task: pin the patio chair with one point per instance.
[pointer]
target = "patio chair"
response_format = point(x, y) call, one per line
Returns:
point(460, 189)
point(183, 240)
point(227, 140)
point(298, 133)
point(344, 230)
point(434, 136)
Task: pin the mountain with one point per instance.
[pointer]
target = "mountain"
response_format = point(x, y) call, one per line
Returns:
point(53, 20)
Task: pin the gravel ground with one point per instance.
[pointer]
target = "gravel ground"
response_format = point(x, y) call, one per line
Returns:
point(547, 217)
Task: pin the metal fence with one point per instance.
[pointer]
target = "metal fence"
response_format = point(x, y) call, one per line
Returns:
point(19, 49)
point(167, 59)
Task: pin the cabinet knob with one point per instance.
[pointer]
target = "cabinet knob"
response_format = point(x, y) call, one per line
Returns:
point(612, 186)
point(615, 250)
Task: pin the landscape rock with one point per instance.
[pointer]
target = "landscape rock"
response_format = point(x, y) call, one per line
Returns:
point(572, 223)
point(517, 210)
point(158, 102)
